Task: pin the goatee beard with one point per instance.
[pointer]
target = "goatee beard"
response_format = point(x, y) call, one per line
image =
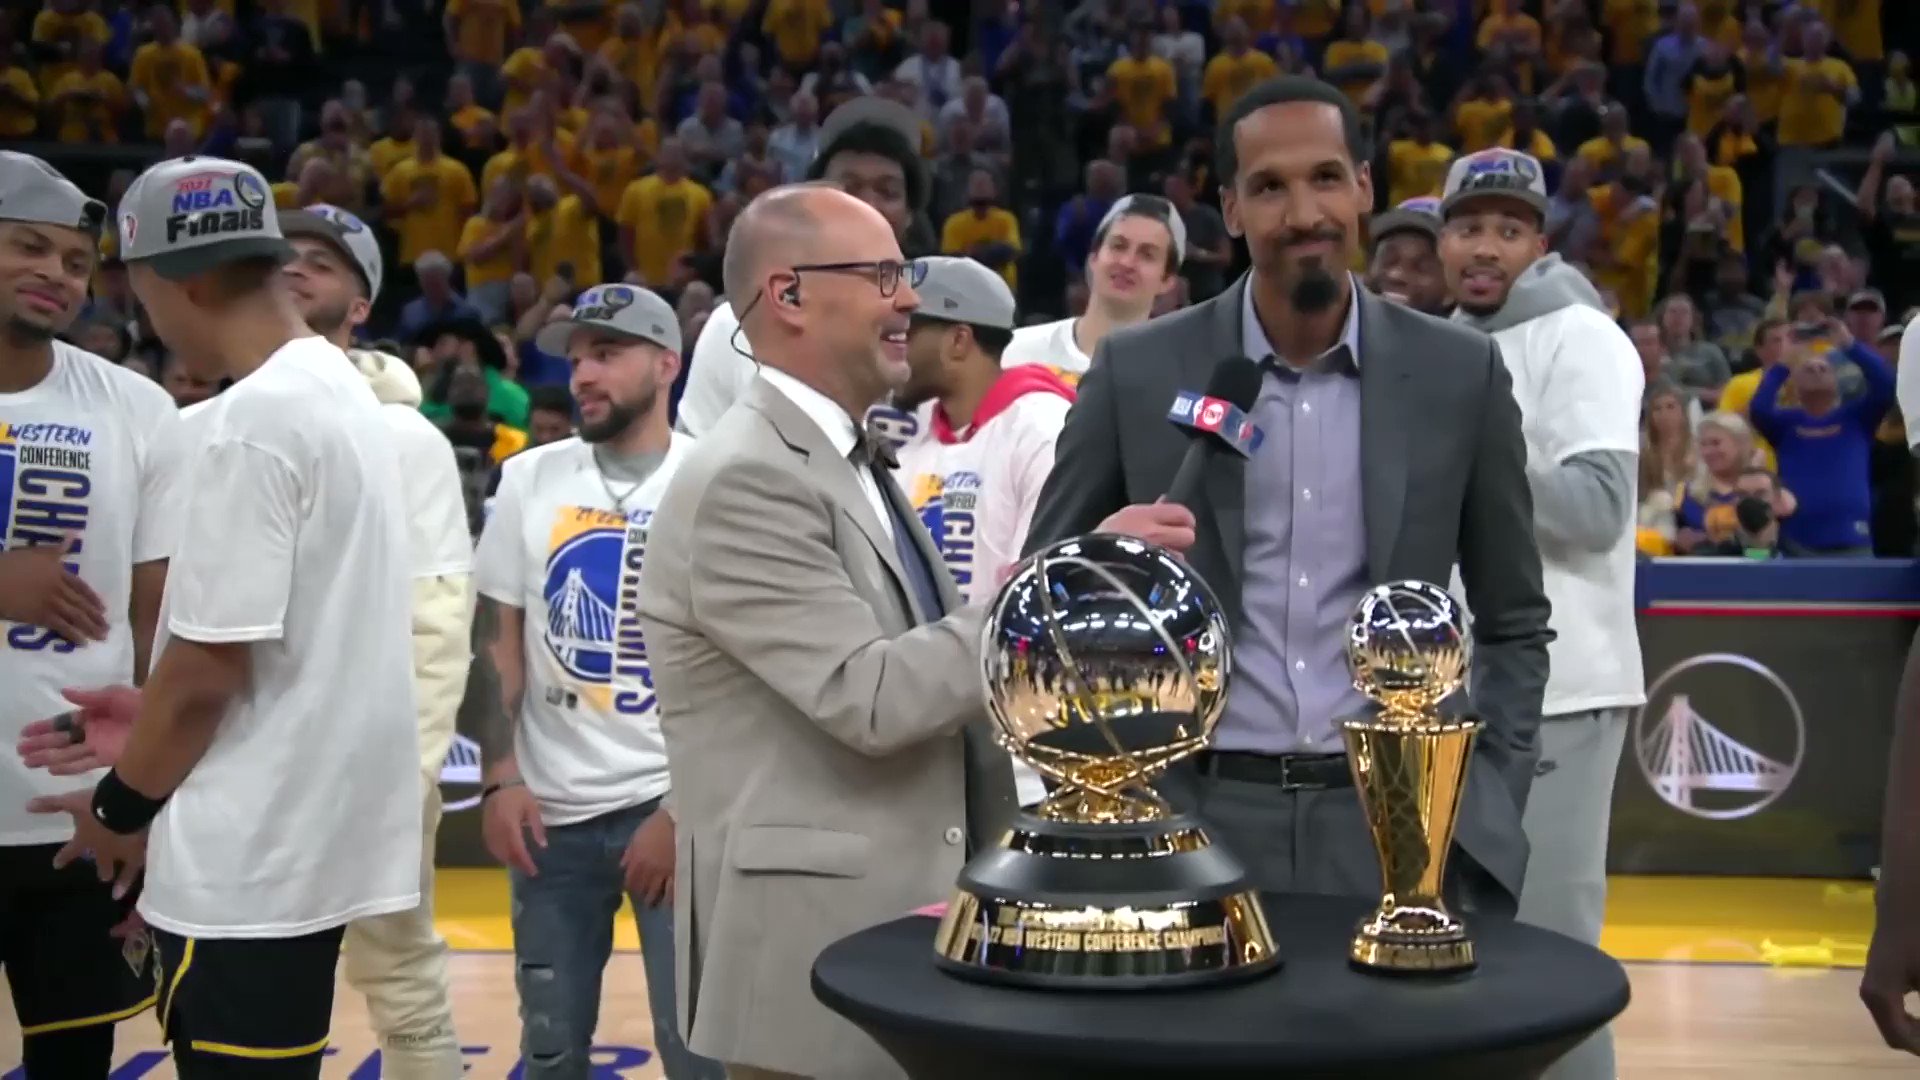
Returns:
point(1315, 292)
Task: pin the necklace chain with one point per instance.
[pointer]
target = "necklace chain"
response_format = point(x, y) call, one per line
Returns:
point(619, 501)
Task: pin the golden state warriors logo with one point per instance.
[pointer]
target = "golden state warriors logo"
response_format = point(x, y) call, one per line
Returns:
point(947, 506)
point(893, 425)
point(592, 586)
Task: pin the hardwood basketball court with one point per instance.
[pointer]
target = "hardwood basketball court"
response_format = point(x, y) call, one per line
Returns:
point(1744, 978)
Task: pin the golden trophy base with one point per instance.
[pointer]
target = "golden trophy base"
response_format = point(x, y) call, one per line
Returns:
point(1441, 946)
point(1143, 905)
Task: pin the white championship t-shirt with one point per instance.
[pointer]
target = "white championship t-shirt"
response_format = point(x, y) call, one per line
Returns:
point(1578, 382)
point(1051, 345)
point(292, 538)
point(977, 498)
point(92, 450)
point(719, 376)
point(556, 547)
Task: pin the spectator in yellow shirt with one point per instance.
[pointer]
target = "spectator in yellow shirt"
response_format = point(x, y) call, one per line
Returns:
point(563, 235)
point(1772, 340)
point(1608, 151)
point(1234, 69)
point(1354, 61)
point(796, 27)
point(534, 148)
point(169, 78)
point(1630, 24)
point(1482, 112)
point(1525, 134)
point(1510, 31)
point(493, 247)
point(428, 196)
point(1819, 89)
point(662, 217)
point(478, 33)
point(59, 32)
point(1144, 85)
point(87, 101)
point(985, 232)
point(1626, 255)
point(477, 127)
point(19, 100)
point(1416, 164)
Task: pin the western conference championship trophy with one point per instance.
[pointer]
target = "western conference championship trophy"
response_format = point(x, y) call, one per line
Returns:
point(1106, 660)
point(1408, 651)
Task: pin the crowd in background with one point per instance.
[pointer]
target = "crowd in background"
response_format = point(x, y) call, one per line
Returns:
point(1734, 175)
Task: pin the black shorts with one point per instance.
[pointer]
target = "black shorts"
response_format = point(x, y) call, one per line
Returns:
point(247, 1006)
point(66, 969)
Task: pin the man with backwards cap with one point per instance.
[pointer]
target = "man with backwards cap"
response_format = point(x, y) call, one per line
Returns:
point(1136, 257)
point(1405, 265)
point(87, 456)
point(977, 476)
point(1578, 382)
point(272, 755)
point(399, 961)
point(871, 147)
point(576, 771)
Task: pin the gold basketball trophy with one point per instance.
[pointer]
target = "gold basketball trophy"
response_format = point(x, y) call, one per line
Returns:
point(1407, 649)
point(1106, 660)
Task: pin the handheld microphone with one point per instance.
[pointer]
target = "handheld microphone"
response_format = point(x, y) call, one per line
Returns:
point(1215, 421)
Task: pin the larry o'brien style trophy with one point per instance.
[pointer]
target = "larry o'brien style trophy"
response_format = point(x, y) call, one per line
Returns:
point(1106, 660)
point(1408, 651)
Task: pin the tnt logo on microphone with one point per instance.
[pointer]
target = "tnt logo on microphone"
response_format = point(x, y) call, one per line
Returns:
point(1212, 414)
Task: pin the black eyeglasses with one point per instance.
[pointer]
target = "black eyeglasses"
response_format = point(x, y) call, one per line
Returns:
point(885, 274)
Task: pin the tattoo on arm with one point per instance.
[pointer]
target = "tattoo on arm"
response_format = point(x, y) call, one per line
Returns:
point(487, 713)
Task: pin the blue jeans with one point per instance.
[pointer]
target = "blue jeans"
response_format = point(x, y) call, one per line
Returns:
point(563, 938)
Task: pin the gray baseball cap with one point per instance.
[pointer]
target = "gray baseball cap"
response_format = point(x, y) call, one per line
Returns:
point(962, 290)
point(1149, 206)
point(627, 311)
point(34, 192)
point(1495, 173)
point(1420, 214)
point(187, 215)
point(344, 231)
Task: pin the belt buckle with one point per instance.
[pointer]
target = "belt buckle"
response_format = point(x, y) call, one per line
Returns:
point(1289, 783)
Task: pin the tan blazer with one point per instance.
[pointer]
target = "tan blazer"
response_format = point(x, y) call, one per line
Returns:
point(828, 747)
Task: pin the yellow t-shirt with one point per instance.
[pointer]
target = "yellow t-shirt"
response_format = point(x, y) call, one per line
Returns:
point(1256, 14)
point(1499, 26)
point(19, 121)
point(1764, 88)
point(1414, 171)
point(1724, 184)
point(1736, 397)
point(1143, 88)
point(1343, 52)
point(522, 162)
point(1808, 118)
point(588, 22)
point(1707, 97)
point(637, 60)
point(1540, 146)
point(664, 220)
point(1226, 77)
point(522, 73)
point(495, 268)
point(1856, 26)
point(387, 151)
point(567, 233)
point(796, 27)
point(1478, 122)
point(467, 122)
point(81, 121)
point(965, 228)
point(1629, 25)
point(50, 28)
point(164, 73)
point(1635, 245)
point(1315, 19)
point(482, 27)
point(609, 171)
point(436, 226)
point(1603, 155)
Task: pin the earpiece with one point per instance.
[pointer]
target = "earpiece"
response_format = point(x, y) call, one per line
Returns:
point(790, 295)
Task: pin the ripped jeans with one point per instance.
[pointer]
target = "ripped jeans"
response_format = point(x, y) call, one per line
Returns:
point(563, 938)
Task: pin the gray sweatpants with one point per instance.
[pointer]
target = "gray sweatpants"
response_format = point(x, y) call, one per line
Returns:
point(1566, 825)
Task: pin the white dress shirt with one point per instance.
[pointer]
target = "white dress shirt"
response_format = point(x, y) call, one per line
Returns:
point(841, 434)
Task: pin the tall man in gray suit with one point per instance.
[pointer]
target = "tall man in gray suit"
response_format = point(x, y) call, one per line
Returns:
point(818, 675)
point(1392, 450)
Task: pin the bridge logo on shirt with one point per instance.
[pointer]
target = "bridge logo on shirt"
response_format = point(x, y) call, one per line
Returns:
point(947, 506)
point(592, 587)
point(46, 479)
point(1721, 737)
point(894, 425)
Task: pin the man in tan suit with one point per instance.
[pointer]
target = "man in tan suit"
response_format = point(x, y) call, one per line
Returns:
point(819, 678)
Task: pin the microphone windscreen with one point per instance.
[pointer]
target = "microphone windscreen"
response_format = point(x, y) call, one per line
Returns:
point(1236, 380)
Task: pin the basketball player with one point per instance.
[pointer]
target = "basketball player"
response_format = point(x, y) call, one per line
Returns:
point(558, 569)
point(1578, 382)
point(272, 754)
point(399, 961)
point(87, 456)
point(870, 146)
point(1136, 257)
point(975, 480)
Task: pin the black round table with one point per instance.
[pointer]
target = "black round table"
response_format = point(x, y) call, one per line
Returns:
point(1534, 996)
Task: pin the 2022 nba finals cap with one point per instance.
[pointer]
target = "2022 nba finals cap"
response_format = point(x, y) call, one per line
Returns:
point(962, 290)
point(34, 192)
point(625, 311)
point(1420, 214)
point(346, 233)
point(1495, 173)
point(188, 215)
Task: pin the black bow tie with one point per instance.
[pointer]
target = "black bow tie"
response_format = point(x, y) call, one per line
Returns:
point(871, 448)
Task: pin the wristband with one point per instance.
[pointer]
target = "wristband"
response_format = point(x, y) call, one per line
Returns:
point(120, 808)
point(490, 789)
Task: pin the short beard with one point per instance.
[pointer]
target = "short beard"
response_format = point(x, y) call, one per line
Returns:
point(619, 419)
point(23, 333)
point(1483, 312)
point(327, 321)
point(1316, 291)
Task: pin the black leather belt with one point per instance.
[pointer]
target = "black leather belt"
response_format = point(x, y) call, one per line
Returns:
point(1292, 772)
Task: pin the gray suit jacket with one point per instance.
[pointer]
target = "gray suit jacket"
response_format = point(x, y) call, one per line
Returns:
point(1444, 469)
point(828, 746)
